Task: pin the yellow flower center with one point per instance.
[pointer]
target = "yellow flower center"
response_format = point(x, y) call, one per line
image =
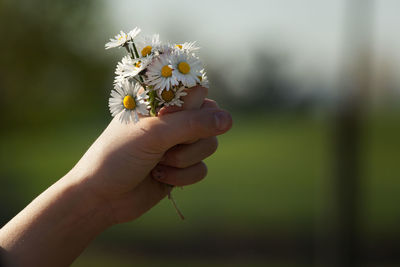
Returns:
point(122, 37)
point(146, 50)
point(167, 96)
point(166, 71)
point(137, 64)
point(184, 68)
point(129, 102)
point(200, 78)
point(179, 46)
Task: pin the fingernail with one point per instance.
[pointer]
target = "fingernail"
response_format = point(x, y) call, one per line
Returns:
point(223, 120)
point(157, 173)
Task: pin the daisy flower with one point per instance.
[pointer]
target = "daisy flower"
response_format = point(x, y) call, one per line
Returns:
point(187, 68)
point(122, 38)
point(171, 97)
point(188, 47)
point(160, 73)
point(148, 45)
point(125, 101)
point(165, 48)
point(119, 41)
point(120, 70)
point(129, 68)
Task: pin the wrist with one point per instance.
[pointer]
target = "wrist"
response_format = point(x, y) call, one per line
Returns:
point(91, 209)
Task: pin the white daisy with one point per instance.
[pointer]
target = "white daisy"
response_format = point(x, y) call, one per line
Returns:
point(166, 48)
point(125, 101)
point(119, 41)
point(148, 45)
point(122, 38)
point(160, 73)
point(187, 68)
point(188, 47)
point(171, 97)
point(120, 69)
point(129, 68)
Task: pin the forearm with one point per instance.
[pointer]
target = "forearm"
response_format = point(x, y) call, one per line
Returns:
point(55, 227)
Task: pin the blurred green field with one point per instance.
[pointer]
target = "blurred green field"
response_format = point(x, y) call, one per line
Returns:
point(269, 176)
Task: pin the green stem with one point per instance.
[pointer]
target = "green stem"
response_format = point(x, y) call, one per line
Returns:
point(130, 51)
point(137, 56)
point(134, 48)
point(152, 93)
point(140, 78)
point(153, 103)
point(175, 206)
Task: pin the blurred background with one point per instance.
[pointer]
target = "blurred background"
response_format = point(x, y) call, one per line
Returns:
point(309, 173)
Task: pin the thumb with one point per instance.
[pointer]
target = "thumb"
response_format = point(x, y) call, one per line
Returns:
point(180, 127)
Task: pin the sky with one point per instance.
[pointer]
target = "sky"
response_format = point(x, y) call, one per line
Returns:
point(309, 32)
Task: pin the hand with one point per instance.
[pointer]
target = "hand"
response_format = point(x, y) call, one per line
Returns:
point(112, 183)
point(182, 165)
point(117, 168)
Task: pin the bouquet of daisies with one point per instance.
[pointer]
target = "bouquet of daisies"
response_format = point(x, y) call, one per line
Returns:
point(152, 75)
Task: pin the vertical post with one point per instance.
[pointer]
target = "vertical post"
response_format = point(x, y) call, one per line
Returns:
point(341, 241)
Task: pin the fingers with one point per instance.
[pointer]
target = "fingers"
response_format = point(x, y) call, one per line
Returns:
point(180, 177)
point(169, 109)
point(183, 156)
point(193, 100)
point(162, 133)
point(207, 103)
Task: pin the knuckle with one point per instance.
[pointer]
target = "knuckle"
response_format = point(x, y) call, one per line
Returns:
point(175, 159)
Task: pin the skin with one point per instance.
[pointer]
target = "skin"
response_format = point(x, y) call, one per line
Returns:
point(126, 171)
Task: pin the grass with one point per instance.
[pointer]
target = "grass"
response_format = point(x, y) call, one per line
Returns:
point(267, 176)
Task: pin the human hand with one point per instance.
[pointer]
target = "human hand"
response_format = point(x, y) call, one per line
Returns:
point(112, 183)
point(117, 169)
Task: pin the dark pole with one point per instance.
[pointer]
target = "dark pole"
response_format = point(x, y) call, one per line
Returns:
point(341, 241)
